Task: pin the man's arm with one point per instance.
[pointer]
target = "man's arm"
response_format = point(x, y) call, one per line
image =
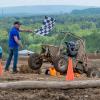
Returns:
point(18, 41)
point(26, 31)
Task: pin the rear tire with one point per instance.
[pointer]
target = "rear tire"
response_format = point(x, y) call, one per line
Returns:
point(35, 61)
point(60, 64)
point(79, 68)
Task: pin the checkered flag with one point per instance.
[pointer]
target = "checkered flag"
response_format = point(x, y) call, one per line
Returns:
point(48, 24)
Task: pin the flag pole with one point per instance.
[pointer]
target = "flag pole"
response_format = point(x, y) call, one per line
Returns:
point(62, 43)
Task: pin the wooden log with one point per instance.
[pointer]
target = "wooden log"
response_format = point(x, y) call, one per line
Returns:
point(50, 84)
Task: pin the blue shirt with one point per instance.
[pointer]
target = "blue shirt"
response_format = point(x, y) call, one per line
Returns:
point(0, 50)
point(13, 32)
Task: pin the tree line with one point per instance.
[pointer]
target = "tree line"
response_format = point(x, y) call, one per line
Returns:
point(87, 27)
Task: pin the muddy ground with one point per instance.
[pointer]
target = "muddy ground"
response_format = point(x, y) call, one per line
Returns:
point(45, 94)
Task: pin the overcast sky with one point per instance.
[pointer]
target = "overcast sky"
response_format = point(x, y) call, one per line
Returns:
point(7, 3)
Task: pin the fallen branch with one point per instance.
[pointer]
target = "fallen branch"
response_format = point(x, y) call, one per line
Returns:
point(50, 84)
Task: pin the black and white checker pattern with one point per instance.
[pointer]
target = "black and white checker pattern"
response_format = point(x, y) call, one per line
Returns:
point(47, 26)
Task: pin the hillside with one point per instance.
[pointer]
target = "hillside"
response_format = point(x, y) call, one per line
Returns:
point(89, 11)
point(38, 10)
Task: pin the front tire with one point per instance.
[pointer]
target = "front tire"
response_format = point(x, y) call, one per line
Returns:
point(35, 61)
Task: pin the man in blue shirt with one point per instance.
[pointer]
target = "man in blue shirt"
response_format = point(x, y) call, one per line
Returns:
point(14, 43)
point(0, 55)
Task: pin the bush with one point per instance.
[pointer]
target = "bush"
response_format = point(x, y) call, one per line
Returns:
point(35, 48)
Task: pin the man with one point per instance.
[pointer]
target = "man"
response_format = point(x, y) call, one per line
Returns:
point(1, 61)
point(0, 55)
point(14, 43)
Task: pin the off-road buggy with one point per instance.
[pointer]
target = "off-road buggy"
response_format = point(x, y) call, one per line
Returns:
point(58, 57)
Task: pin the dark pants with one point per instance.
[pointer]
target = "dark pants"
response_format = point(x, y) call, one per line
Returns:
point(12, 52)
point(0, 55)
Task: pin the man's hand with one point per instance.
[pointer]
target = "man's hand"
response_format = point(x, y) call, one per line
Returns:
point(30, 31)
point(20, 44)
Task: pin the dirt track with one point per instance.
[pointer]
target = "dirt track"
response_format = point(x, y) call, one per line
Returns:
point(46, 94)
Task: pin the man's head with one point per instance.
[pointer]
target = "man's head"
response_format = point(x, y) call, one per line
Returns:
point(17, 24)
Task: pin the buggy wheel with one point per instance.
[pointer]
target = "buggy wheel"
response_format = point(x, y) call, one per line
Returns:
point(93, 73)
point(60, 64)
point(79, 68)
point(35, 61)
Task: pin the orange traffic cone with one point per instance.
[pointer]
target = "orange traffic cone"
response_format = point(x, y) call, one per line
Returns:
point(52, 71)
point(70, 73)
point(1, 69)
